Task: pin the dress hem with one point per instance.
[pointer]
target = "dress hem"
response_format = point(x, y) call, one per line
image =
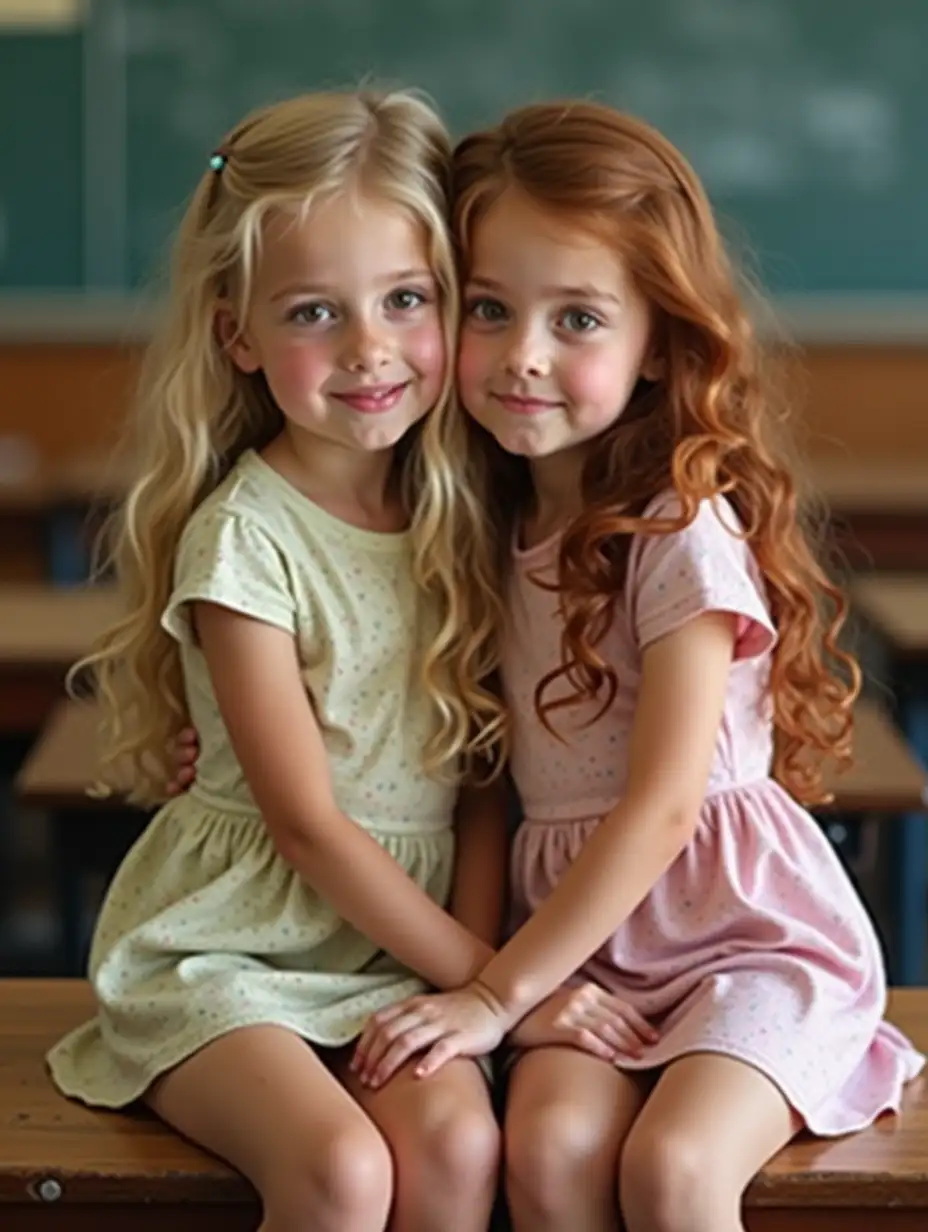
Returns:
point(170, 1059)
point(821, 1127)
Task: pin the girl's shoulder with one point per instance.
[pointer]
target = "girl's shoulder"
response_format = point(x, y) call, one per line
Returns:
point(707, 565)
point(254, 496)
point(245, 492)
point(712, 542)
point(716, 512)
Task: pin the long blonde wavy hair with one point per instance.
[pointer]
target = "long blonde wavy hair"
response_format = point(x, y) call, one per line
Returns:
point(713, 423)
point(196, 413)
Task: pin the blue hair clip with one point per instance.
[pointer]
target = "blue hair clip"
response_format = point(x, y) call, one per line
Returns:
point(218, 160)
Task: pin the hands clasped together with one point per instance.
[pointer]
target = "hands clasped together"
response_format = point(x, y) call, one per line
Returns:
point(472, 1022)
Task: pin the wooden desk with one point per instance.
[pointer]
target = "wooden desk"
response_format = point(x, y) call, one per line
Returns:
point(41, 624)
point(896, 607)
point(43, 631)
point(896, 604)
point(879, 508)
point(50, 516)
point(58, 769)
point(25, 529)
point(106, 1172)
point(893, 485)
point(885, 777)
point(89, 835)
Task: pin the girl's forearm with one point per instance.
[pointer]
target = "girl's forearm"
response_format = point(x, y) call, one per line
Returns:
point(369, 889)
point(616, 869)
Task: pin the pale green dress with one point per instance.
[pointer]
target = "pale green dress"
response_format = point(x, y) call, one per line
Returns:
point(205, 928)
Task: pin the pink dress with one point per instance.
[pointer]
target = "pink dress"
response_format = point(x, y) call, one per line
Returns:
point(754, 942)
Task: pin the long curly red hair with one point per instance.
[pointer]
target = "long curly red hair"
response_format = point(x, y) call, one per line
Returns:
point(712, 424)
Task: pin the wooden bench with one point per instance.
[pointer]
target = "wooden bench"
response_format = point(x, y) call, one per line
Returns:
point(67, 1168)
point(896, 608)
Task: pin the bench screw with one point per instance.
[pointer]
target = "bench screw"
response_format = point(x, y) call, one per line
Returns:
point(49, 1190)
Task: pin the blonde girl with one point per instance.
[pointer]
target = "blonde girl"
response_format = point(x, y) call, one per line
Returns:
point(288, 559)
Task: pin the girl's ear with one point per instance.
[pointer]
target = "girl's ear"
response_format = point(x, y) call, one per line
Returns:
point(234, 339)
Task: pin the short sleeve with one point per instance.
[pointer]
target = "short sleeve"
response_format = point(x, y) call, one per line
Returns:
point(706, 567)
point(228, 558)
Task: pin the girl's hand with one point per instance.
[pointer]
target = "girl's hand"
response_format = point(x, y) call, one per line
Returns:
point(588, 1018)
point(467, 1022)
point(186, 751)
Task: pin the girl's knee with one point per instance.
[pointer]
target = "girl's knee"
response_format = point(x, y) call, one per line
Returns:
point(343, 1181)
point(356, 1171)
point(549, 1151)
point(661, 1174)
point(456, 1148)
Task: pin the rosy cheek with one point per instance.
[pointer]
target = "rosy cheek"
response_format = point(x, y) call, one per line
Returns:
point(296, 368)
point(472, 366)
point(591, 381)
point(427, 353)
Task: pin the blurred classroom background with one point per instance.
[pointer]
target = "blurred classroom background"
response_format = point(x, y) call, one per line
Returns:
point(806, 121)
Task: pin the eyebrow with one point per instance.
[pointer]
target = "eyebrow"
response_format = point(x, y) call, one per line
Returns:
point(325, 288)
point(584, 291)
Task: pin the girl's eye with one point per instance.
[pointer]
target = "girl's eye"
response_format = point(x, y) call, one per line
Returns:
point(310, 314)
point(405, 299)
point(578, 321)
point(484, 309)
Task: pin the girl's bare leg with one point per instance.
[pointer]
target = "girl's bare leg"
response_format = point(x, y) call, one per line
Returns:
point(710, 1125)
point(567, 1115)
point(445, 1143)
point(262, 1100)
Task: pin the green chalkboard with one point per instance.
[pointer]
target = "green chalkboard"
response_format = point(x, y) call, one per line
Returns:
point(806, 118)
point(41, 176)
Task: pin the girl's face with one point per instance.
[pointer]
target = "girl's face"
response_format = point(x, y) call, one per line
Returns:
point(554, 334)
point(345, 322)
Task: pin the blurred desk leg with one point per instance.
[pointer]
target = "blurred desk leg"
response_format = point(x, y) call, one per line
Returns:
point(68, 531)
point(89, 836)
point(896, 607)
point(87, 842)
point(911, 942)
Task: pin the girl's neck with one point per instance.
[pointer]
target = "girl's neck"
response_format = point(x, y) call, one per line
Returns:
point(360, 488)
point(558, 495)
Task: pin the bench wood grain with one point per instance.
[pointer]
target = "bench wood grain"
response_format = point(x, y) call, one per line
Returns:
point(114, 1170)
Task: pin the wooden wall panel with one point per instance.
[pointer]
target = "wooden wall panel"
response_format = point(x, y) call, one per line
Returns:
point(869, 400)
point(66, 398)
